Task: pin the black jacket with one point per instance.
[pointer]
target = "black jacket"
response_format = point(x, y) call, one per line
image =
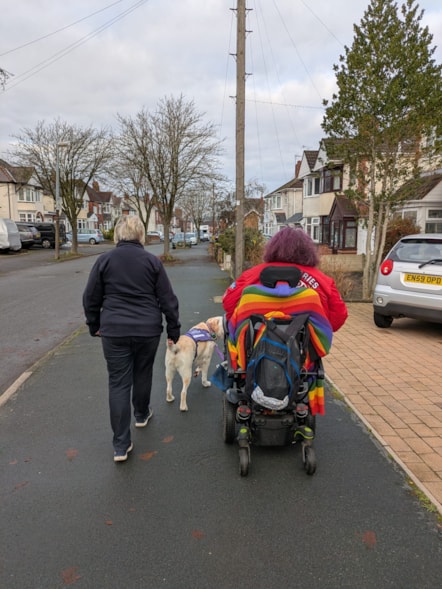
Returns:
point(128, 292)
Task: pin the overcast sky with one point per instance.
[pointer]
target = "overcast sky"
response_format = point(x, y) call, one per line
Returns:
point(86, 61)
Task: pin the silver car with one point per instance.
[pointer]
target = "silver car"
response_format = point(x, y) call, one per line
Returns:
point(409, 281)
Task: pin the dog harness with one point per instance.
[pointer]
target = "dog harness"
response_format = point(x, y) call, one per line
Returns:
point(201, 335)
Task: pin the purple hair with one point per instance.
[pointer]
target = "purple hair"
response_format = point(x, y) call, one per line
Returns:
point(292, 246)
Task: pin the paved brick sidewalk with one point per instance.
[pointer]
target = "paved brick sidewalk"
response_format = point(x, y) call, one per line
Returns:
point(392, 379)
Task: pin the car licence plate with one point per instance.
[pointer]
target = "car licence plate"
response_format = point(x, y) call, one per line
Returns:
point(423, 279)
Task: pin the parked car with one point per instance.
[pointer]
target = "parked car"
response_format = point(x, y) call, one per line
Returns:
point(191, 237)
point(179, 240)
point(409, 282)
point(47, 231)
point(91, 236)
point(154, 237)
point(35, 233)
point(26, 235)
point(9, 236)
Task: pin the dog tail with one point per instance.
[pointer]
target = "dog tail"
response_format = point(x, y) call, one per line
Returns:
point(174, 348)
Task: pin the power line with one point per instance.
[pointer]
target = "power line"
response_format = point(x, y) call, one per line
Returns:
point(58, 30)
point(272, 103)
point(63, 52)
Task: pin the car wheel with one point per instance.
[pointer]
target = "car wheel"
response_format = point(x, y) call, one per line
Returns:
point(382, 320)
point(92, 241)
point(46, 243)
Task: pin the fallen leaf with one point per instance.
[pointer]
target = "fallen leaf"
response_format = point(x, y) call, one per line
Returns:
point(168, 440)
point(21, 485)
point(108, 522)
point(369, 539)
point(70, 576)
point(13, 462)
point(71, 453)
point(148, 455)
point(197, 534)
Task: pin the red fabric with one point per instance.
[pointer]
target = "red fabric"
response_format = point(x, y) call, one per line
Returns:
point(334, 306)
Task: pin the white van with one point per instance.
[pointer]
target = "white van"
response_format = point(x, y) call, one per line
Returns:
point(9, 236)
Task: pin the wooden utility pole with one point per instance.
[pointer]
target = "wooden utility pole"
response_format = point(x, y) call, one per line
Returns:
point(240, 127)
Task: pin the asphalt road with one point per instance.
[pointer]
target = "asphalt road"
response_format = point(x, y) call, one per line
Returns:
point(177, 514)
point(40, 303)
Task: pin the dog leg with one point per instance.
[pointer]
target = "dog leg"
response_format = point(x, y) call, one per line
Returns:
point(186, 376)
point(169, 379)
point(204, 369)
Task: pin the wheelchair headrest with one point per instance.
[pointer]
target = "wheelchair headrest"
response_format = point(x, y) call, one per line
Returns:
point(271, 275)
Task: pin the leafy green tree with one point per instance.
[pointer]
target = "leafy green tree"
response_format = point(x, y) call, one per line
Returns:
point(386, 116)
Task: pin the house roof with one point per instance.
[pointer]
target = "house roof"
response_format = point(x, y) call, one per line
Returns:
point(296, 218)
point(254, 204)
point(311, 156)
point(15, 174)
point(418, 188)
point(343, 207)
point(5, 174)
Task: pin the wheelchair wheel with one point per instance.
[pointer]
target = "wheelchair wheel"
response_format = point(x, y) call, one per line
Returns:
point(229, 421)
point(244, 461)
point(310, 421)
point(309, 459)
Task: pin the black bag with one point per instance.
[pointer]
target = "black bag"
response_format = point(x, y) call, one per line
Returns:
point(275, 361)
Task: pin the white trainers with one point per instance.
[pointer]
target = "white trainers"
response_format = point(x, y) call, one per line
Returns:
point(121, 455)
point(145, 421)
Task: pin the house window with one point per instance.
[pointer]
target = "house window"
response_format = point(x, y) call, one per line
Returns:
point(435, 225)
point(312, 186)
point(28, 194)
point(331, 180)
point(350, 232)
point(312, 228)
point(27, 217)
point(412, 215)
point(317, 188)
point(344, 234)
point(325, 230)
point(277, 202)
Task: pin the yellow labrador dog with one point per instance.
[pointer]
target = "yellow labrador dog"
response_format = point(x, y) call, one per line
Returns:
point(194, 348)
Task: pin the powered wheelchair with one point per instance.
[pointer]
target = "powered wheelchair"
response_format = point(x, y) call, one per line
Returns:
point(274, 377)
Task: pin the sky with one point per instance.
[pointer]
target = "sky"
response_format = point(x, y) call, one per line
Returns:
point(85, 62)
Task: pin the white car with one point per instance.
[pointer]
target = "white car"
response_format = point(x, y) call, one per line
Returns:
point(191, 238)
point(409, 281)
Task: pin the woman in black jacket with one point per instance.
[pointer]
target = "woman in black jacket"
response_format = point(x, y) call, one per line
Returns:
point(126, 296)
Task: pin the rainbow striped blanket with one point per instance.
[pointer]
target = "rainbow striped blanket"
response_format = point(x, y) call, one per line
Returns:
point(282, 302)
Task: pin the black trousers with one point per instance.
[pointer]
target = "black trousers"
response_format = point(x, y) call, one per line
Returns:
point(129, 365)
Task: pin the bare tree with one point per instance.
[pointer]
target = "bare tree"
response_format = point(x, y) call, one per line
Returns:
point(83, 154)
point(175, 151)
point(127, 172)
point(198, 203)
point(4, 76)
